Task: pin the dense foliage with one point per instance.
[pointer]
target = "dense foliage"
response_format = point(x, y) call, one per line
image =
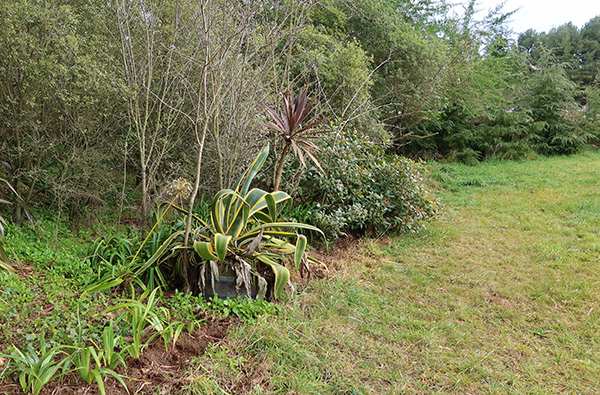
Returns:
point(363, 189)
point(100, 99)
point(576, 48)
point(103, 103)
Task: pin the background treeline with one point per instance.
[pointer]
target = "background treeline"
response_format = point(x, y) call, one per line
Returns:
point(99, 98)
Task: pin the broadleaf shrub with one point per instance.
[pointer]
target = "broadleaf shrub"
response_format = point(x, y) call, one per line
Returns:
point(364, 189)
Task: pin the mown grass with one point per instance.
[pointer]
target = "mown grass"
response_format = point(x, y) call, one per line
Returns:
point(498, 296)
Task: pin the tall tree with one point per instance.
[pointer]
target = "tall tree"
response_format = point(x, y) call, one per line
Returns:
point(59, 106)
point(550, 98)
point(590, 52)
point(576, 49)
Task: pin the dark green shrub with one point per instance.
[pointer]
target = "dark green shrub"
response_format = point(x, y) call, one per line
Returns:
point(363, 189)
point(495, 133)
point(551, 100)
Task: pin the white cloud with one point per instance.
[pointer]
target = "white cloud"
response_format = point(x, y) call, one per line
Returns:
point(542, 15)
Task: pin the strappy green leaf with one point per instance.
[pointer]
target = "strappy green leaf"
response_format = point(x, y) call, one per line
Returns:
point(205, 250)
point(300, 249)
point(221, 244)
point(282, 274)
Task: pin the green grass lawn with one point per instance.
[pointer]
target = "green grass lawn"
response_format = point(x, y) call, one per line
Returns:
point(500, 295)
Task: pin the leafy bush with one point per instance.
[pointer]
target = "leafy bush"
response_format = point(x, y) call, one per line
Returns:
point(364, 189)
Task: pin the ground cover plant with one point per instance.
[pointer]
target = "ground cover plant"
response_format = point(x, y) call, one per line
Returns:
point(55, 338)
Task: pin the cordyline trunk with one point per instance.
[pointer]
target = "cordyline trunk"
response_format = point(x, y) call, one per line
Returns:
point(280, 167)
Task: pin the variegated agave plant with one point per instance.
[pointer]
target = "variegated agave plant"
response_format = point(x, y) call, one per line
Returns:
point(243, 233)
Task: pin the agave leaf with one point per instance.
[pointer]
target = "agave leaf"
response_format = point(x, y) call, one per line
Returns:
point(239, 221)
point(229, 212)
point(243, 183)
point(205, 250)
point(221, 244)
point(256, 200)
point(300, 249)
point(281, 249)
point(271, 205)
point(279, 233)
point(282, 274)
point(166, 245)
point(278, 243)
point(217, 212)
point(271, 233)
point(297, 225)
point(262, 217)
point(278, 197)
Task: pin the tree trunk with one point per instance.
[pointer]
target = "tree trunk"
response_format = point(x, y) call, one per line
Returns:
point(280, 168)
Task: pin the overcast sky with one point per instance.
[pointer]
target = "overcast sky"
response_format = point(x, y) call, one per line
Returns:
point(542, 15)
